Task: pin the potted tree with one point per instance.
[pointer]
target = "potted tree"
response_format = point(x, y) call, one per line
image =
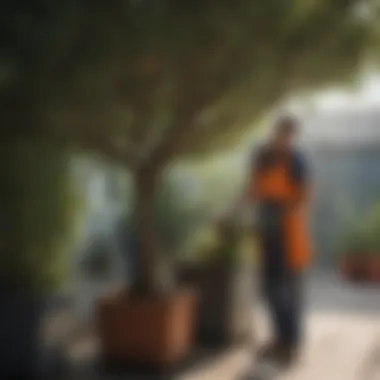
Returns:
point(354, 259)
point(124, 330)
point(39, 212)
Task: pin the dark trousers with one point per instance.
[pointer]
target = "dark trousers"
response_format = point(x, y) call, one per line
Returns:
point(282, 288)
point(283, 295)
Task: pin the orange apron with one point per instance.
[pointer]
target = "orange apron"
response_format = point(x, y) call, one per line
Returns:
point(275, 183)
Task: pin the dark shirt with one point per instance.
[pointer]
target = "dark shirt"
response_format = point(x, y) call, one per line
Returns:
point(266, 157)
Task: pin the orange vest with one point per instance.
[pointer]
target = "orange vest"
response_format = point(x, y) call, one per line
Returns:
point(275, 183)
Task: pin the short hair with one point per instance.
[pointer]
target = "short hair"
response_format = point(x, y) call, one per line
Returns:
point(288, 125)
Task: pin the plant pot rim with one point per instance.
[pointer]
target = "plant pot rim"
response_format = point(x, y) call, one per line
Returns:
point(121, 294)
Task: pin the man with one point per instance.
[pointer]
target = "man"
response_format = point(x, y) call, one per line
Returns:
point(279, 186)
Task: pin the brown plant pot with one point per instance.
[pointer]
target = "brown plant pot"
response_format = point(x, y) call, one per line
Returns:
point(374, 270)
point(156, 332)
point(353, 268)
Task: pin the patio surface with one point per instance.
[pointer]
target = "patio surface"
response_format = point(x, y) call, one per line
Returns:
point(343, 341)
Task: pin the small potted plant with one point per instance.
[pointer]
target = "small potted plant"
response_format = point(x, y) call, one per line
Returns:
point(225, 284)
point(373, 269)
point(353, 260)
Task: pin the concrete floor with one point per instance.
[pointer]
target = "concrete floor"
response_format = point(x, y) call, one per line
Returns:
point(343, 338)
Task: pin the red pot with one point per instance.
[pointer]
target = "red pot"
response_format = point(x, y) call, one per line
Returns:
point(353, 267)
point(373, 269)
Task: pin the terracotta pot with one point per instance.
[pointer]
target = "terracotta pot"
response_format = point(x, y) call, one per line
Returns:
point(156, 332)
point(353, 267)
point(374, 269)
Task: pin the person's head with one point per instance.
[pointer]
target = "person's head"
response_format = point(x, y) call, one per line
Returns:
point(285, 130)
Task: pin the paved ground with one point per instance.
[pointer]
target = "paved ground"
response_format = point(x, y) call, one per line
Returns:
point(343, 340)
point(344, 333)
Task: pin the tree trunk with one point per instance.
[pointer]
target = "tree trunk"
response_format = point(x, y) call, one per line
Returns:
point(146, 182)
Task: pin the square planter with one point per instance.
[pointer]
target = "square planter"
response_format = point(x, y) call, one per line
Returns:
point(156, 332)
point(226, 296)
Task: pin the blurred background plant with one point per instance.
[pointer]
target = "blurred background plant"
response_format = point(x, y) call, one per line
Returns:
point(179, 221)
point(362, 235)
point(41, 213)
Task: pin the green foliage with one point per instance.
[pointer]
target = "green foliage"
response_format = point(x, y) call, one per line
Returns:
point(374, 226)
point(363, 237)
point(229, 244)
point(40, 213)
point(155, 79)
point(188, 225)
point(147, 82)
point(178, 221)
point(358, 242)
